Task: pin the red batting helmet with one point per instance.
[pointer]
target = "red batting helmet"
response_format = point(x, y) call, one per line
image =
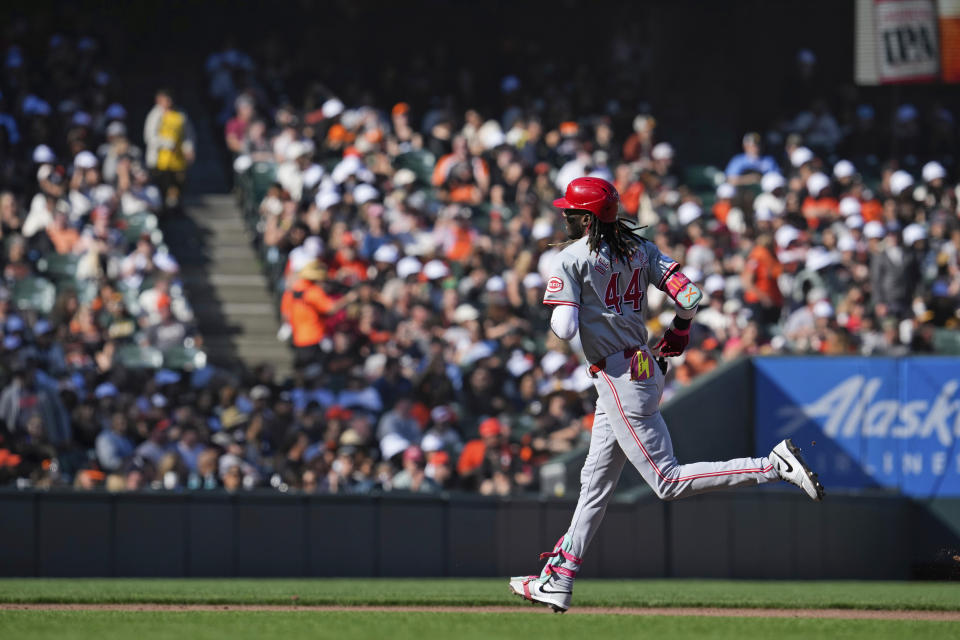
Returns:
point(595, 195)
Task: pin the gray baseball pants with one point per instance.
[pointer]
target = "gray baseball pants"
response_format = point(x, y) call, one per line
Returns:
point(628, 425)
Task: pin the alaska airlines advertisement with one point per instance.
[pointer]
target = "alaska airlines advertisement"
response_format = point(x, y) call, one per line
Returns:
point(888, 423)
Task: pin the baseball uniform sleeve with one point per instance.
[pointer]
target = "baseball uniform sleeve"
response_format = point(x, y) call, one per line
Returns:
point(563, 285)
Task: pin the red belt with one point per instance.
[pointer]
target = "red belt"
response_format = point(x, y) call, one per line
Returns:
point(601, 364)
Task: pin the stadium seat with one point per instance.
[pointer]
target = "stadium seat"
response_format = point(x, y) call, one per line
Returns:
point(139, 224)
point(136, 357)
point(262, 175)
point(946, 341)
point(420, 162)
point(184, 358)
point(34, 294)
point(703, 178)
point(58, 267)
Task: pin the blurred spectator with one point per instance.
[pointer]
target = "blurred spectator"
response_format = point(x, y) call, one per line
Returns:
point(169, 137)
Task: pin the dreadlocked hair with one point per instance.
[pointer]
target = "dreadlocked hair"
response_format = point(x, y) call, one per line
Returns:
point(621, 237)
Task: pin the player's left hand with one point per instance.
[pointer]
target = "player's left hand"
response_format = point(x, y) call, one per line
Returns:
point(673, 342)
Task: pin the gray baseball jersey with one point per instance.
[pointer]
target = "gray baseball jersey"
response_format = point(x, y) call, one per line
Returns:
point(611, 297)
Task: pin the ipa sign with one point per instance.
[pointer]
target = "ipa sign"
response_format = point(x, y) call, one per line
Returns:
point(897, 41)
point(907, 40)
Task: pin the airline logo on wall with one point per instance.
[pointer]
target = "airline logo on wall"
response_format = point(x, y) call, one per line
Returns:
point(891, 423)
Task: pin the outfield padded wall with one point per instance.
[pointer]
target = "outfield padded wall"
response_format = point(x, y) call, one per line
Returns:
point(751, 533)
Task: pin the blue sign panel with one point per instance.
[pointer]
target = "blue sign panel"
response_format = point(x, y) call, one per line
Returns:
point(866, 422)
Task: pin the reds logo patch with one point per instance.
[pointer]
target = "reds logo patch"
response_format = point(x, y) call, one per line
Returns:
point(554, 285)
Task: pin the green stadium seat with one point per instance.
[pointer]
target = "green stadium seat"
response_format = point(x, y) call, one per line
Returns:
point(135, 357)
point(59, 267)
point(140, 223)
point(262, 175)
point(946, 341)
point(184, 358)
point(34, 294)
point(702, 178)
point(420, 162)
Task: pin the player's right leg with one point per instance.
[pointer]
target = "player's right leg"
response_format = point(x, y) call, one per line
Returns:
point(598, 480)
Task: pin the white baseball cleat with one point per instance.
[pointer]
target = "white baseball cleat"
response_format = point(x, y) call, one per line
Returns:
point(791, 467)
point(542, 589)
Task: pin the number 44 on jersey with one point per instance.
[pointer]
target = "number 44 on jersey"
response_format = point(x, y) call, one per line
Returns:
point(632, 296)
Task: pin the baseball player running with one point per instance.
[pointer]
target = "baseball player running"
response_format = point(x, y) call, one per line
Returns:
point(597, 286)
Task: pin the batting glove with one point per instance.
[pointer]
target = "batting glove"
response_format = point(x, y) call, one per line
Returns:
point(673, 343)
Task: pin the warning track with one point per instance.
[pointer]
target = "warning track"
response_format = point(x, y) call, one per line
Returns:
point(841, 614)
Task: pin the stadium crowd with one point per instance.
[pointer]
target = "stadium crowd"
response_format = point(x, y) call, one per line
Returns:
point(408, 244)
point(91, 308)
point(411, 242)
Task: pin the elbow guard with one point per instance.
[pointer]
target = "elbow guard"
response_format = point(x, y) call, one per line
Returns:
point(684, 292)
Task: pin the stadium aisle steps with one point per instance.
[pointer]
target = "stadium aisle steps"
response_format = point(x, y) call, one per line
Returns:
point(221, 275)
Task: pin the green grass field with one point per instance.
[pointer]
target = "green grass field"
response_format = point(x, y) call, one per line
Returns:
point(350, 625)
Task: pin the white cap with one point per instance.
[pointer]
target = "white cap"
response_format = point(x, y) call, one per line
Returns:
point(693, 273)
point(785, 235)
point(874, 229)
point(726, 191)
point(855, 221)
point(846, 243)
point(849, 206)
point(294, 150)
point(900, 181)
point(541, 229)
point(408, 266)
point(242, 163)
point(431, 441)
point(823, 309)
point(476, 351)
point(327, 199)
point(763, 215)
point(532, 280)
point(800, 156)
point(580, 380)
point(43, 154)
point(714, 283)
point(85, 160)
point(495, 284)
point(772, 181)
point(392, 444)
point(350, 165)
point(490, 134)
point(844, 169)
point(519, 363)
point(816, 183)
point(933, 171)
point(364, 193)
point(552, 361)
point(661, 151)
point(465, 313)
point(818, 258)
point(436, 269)
point(688, 212)
point(404, 177)
point(312, 176)
point(332, 108)
point(386, 253)
point(912, 233)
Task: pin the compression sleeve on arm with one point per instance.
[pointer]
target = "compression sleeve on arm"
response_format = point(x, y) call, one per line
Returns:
point(565, 321)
